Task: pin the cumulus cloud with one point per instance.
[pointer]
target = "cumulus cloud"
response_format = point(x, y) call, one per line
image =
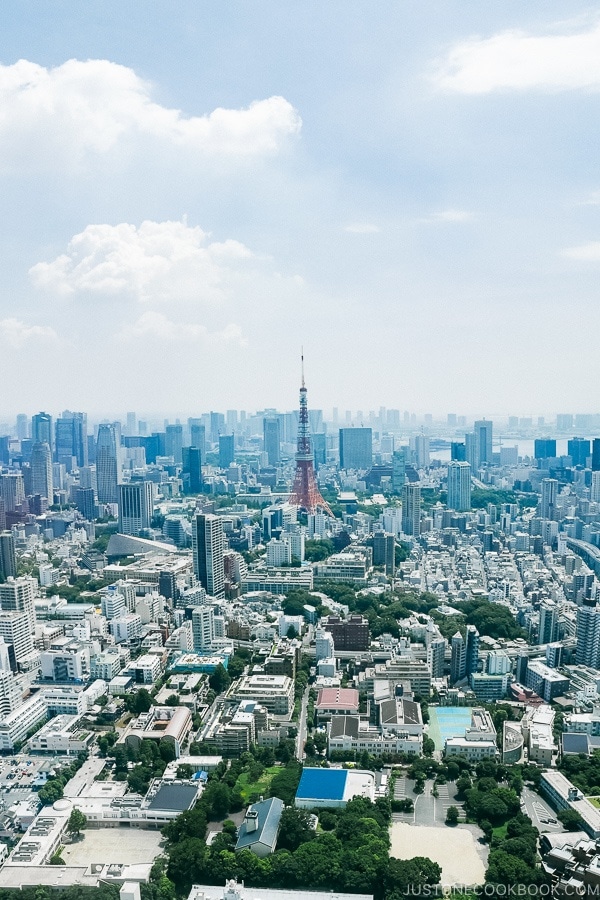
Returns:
point(518, 61)
point(157, 262)
point(362, 228)
point(157, 325)
point(589, 252)
point(16, 334)
point(90, 107)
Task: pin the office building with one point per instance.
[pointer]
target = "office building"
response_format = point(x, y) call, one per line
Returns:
point(41, 429)
point(174, 442)
point(348, 634)
point(208, 548)
point(8, 555)
point(544, 448)
point(471, 650)
point(356, 448)
point(596, 455)
point(483, 442)
point(70, 447)
point(136, 504)
point(459, 486)
point(579, 450)
point(384, 549)
point(458, 452)
point(191, 472)
point(587, 634)
point(107, 463)
point(548, 627)
point(12, 491)
point(226, 450)
point(198, 437)
point(272, 439)
point(41, 471)
point(398, 470)
point(419, 446)
point(85, 501)
point(18, 594)
point(548, 501)
point(411, 509)
point(17, 633)
point(436, 656)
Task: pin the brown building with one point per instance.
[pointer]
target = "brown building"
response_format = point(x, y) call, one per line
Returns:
point(348, 634)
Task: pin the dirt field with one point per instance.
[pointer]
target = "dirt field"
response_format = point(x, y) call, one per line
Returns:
point(456, 850)
point(113, 845)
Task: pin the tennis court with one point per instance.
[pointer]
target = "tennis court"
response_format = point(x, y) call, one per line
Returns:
point(447, 722)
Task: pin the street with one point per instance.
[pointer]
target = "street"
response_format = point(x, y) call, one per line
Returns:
point(301, 737)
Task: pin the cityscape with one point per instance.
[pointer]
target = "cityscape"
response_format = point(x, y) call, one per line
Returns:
point(299, 450)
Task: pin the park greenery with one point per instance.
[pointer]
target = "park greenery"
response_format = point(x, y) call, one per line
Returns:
point(583, 771)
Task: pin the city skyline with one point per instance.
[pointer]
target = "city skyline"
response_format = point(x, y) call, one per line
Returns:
point(186, 201)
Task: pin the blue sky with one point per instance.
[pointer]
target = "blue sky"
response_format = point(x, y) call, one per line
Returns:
point(191, 191)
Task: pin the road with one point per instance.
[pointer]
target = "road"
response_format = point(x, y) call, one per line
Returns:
point(301, 738)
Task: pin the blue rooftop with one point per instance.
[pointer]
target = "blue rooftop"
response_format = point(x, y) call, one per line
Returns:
point(322, 784)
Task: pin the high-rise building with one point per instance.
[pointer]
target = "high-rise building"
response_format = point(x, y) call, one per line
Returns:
point(198, 437)
point(458, 660)
point(226, 450)
point(596, 455)
point(483, 441)
point(436, 655)
point(174, 442)
point(41, 471)
point(191, 471)
point(131, 426)
point(22, 427)
point(8, 555)
point(459, 486)
point(272, 439)
point(579, 450)
point(549, 495)
point(411, 509)
point(107, 464)
point(41, 429)
point(458, 452)
point(136, 504)
point(356, 448)
point(17, 633)
point(595, 487)
point(70, 446)
point(384, 548)
point(12, 490)
point(319, 441)
point(419, 445)
point(85, 501)
point(203, 627)
point(548, 626)
point(18, 595)
point(217, 425)
point(544, 448)
point(398, 470)
point(471, 650)
point(587, 634)
point(208, 547)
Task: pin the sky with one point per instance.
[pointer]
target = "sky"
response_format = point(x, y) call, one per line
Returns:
point(193, 191)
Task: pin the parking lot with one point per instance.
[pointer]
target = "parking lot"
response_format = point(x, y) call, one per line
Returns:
point(428, 810)
point(18, 774)
point(541, 813)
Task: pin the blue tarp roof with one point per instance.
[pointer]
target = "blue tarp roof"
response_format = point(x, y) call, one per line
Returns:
point(322, 784)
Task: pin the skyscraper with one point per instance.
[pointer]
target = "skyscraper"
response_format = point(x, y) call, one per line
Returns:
point(191, 472)
point(356, 448)
point(18, 595)
point(8, 555)
point(398, 470)
point(174, 442)
point(272, 439)
point(544, 448)
point(136, 502)
point(587, 634)
point(458, 451)
point(107, 464)
point(458, 660)
point(384, 547)
point(226, 450)
point(41, 471)
point(471, 650)
point(70, 446)
point(459, 486)
point(203, 627)
point(411, 509)
point(549, 495)
point(198, 437)
point(483, 441)
point(208, 548)
point(548, 627)
point(436, 654)
point(579, 450)
point(41, 429)
point(596, 455)
point(12, 490)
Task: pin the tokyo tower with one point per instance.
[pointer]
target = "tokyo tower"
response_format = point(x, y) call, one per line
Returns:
point(305, 491)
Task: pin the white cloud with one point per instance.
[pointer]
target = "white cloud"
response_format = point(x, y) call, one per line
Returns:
point(157, 262)
point(90, 107)
point(592, 200)
point(515, 60)
point(589, 252)
point(156, 325)
point(16, 334)
point(451, 216)
point(362, 228)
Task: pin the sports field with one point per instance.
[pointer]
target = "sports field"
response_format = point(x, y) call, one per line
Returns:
point(446, 722)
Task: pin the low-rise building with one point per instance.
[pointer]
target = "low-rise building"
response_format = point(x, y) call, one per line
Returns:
point(563, 794)
point(258, 832)
point(479, 741)
point(161, 723)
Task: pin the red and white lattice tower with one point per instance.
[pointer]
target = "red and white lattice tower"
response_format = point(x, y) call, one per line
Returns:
point(305, 491)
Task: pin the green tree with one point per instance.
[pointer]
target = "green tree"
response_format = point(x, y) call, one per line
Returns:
point(571, 819)
point(219, 680)
point(77, 822)
point(451, 815)
point(294, 829)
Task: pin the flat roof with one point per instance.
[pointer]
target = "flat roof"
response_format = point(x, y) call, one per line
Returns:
point(322, 784)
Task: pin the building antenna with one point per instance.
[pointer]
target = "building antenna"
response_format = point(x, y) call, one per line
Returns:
point(302, 364)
